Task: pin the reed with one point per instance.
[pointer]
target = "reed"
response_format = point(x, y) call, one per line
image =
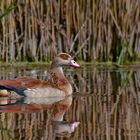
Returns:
point(102, 30)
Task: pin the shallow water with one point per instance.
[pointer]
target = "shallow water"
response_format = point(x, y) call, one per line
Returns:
point(105, 106)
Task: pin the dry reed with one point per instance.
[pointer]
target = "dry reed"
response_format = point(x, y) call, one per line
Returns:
point(102, 30)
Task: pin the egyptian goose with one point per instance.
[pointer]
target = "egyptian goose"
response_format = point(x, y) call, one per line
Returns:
point(58, 85)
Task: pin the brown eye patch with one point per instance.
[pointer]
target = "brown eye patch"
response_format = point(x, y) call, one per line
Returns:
point(64, 56)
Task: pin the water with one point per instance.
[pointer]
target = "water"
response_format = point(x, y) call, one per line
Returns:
point(105, 106)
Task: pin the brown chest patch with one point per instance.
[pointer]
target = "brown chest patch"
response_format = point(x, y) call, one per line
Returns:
point(57, 82)
point(64, 56)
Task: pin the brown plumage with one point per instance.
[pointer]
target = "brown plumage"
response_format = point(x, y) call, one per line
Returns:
point(58, 85)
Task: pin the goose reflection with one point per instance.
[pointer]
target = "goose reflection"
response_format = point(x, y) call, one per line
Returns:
point(55, 108)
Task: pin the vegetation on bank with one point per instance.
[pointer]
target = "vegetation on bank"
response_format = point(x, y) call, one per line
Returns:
point(90, 30)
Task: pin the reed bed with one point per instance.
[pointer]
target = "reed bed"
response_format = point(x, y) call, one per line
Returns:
point(107, 107)
point(103, 30)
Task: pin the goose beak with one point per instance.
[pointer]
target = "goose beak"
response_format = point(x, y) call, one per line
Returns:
point(74, 64)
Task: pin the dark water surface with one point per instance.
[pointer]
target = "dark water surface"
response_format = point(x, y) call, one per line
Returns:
point(105, 106)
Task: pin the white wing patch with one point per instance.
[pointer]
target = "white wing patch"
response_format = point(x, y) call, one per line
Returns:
point(44, 92)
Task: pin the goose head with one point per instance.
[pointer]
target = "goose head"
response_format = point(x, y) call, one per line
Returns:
point(64, 59)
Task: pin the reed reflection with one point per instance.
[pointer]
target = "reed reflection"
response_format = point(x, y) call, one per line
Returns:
point(106, 102)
